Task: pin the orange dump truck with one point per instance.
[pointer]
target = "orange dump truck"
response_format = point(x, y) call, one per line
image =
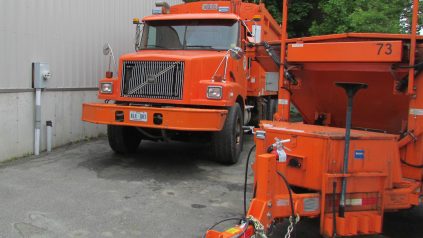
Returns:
point(358, 152)
point(189, 78)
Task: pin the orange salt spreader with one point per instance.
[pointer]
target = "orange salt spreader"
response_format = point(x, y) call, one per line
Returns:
point(358, 151)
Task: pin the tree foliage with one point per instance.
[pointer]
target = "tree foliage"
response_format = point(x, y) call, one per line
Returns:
point(340, 16)
point(316, 17)
point(301, 14)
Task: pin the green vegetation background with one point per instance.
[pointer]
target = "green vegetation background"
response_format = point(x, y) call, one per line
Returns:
point(317, 17)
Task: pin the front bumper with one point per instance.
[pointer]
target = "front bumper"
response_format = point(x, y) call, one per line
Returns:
point(176, 118)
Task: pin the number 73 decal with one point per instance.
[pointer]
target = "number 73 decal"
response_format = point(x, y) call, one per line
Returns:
point(384, 48)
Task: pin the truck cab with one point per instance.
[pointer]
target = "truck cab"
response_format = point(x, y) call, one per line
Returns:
point(190, 78)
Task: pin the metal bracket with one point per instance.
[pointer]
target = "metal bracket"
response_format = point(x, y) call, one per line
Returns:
point(261, 135)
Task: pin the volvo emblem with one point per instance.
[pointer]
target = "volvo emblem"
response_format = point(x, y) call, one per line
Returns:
point(150, 79)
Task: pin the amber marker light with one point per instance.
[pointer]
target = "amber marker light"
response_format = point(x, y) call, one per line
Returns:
point(256, 18)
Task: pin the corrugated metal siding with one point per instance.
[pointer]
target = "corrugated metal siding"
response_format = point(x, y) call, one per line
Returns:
point(62, 108)
point(69, 35)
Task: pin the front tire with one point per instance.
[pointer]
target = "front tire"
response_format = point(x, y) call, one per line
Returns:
point(227, 144)
point(123, 139)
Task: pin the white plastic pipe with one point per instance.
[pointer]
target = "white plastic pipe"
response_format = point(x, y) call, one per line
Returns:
point(37, 121)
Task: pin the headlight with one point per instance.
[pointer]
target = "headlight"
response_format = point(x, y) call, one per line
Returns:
point(106, 88)
point(214, 92)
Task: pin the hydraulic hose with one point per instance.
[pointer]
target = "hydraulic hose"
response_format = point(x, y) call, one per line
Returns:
point(246, 178)
point(291, 200)
point(276, 59)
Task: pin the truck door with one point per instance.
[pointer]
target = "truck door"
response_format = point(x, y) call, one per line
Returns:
point(241, 68)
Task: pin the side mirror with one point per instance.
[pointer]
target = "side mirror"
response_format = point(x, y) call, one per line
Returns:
point(107, 49)
point(138, 33)
point(236, 53)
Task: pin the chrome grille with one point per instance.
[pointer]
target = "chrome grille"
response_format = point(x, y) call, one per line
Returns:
point(153, 79)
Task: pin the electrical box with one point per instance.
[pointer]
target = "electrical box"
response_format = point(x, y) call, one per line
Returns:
point(40, 75)
point(272, 81)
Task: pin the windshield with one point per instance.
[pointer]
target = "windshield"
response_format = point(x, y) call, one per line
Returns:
point(190, 34)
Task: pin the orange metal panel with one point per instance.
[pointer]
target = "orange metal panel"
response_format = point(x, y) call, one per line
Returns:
point(376, 108)
point(403, 197)
point(343, 36)
point(301, 129)
point(322, 148)
point(186, 119)
point(355, 223)
point(364, 51)
point(191, 16)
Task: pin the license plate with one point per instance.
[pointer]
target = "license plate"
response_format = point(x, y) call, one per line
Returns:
point(138, 116)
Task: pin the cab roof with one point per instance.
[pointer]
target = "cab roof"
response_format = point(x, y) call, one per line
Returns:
point(192, 16)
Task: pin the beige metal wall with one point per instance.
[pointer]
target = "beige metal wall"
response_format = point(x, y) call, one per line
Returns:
point(69, 36)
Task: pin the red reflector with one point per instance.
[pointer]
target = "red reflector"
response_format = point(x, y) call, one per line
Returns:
point(369, 201)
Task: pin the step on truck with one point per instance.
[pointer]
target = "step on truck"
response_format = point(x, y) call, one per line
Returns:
point(191, 77)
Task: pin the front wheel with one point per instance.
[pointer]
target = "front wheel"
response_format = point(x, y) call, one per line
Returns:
point(123, 139)
point(227, 144)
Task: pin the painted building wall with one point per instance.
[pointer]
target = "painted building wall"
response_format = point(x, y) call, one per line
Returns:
point(68, 35)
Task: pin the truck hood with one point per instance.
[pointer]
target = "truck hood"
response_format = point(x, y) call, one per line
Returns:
point(174, 55)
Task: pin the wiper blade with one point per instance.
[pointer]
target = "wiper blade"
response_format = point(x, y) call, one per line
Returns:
point(156, 46)
point(200, 46)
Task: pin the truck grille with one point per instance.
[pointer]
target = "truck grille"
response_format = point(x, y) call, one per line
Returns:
point(153, 79)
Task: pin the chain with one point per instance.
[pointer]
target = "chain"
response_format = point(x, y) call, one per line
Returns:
point(258, 228)
point(292, 223)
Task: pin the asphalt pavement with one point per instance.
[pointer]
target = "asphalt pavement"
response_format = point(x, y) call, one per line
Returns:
point(163, 190)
